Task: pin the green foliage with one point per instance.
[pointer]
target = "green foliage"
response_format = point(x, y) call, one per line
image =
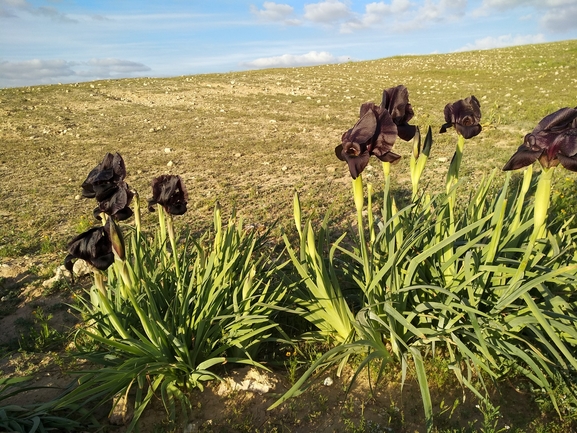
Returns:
point(40, 418)
point(165, 329)
point(484, 286)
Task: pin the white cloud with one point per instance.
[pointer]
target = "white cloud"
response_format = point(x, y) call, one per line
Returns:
point(36, 69)
point(327, 12)
point(291, 60)
point(503, 41)
point(274, 12)
point(560, 19)
point(11, 8)
point(375, 14)
point(557, 15)
point(509, 4)
point(39, 71)
point(111, 67)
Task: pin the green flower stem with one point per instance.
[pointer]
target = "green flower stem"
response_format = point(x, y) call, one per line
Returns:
point(542, 199)
point(162, 228)
point(137, 221)
point(453, 178)
point(419, 159)
point(99, 282)
point(359, 201)
point(370, 217)
point(137, 237)
point(386, 192)
point(297, 212)
point(170, 228)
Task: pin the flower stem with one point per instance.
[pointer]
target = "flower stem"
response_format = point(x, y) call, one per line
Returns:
point(370, 217)
point(99, 282)
point(162, 228)
point(452, 179)
point(359, 201)
point(170, 227)
point(542, 199)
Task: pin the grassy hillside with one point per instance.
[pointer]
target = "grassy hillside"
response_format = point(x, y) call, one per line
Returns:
point(249, 139)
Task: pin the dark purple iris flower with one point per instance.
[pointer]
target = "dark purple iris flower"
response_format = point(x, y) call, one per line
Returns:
point(106, 184)
point(169, 192)
point(396, 102)
point(552, 142)
point(93, 246)
point(373, 134)
point(465, 116)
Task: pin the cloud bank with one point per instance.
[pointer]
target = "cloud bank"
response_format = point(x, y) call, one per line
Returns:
point(52, 71)
point(503, 41)
point(290, 60)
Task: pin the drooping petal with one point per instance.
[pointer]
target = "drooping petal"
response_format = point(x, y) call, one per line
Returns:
point(358, 164)
point(468, 131)
point(570, 163)
point(386, 137)
point(522, 158)
point(391, 157)
point(93, 246)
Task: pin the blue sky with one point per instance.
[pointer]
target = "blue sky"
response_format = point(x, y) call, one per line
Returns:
point(43, 42)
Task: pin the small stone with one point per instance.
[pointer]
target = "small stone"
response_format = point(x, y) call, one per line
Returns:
point(167, 150)
point(151, 130)
point(237, 155)
point(331, 169)
point(284, 168)
point(170, 164)
point(328, 381)
point(122, 410)
point(77, 197)
point(81, 268)
point(442, 159)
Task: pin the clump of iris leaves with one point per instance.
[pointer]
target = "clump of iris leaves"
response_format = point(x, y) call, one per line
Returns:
point(489, 286)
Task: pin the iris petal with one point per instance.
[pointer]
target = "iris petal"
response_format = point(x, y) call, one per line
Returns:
point(169, 191)
point(570, 163)
point(522, 158)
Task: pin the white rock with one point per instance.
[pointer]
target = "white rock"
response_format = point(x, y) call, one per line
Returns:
point(328, 381)
point(252, 381)
point(170, 164)
point(167, 150)
point(60, 274)
point(81, 268)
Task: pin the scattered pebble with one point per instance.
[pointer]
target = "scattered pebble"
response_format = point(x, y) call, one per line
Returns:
point(170, 164)
point(167, 150)
point(328, 381)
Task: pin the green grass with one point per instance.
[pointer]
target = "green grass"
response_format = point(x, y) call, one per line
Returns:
point(271, 118)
